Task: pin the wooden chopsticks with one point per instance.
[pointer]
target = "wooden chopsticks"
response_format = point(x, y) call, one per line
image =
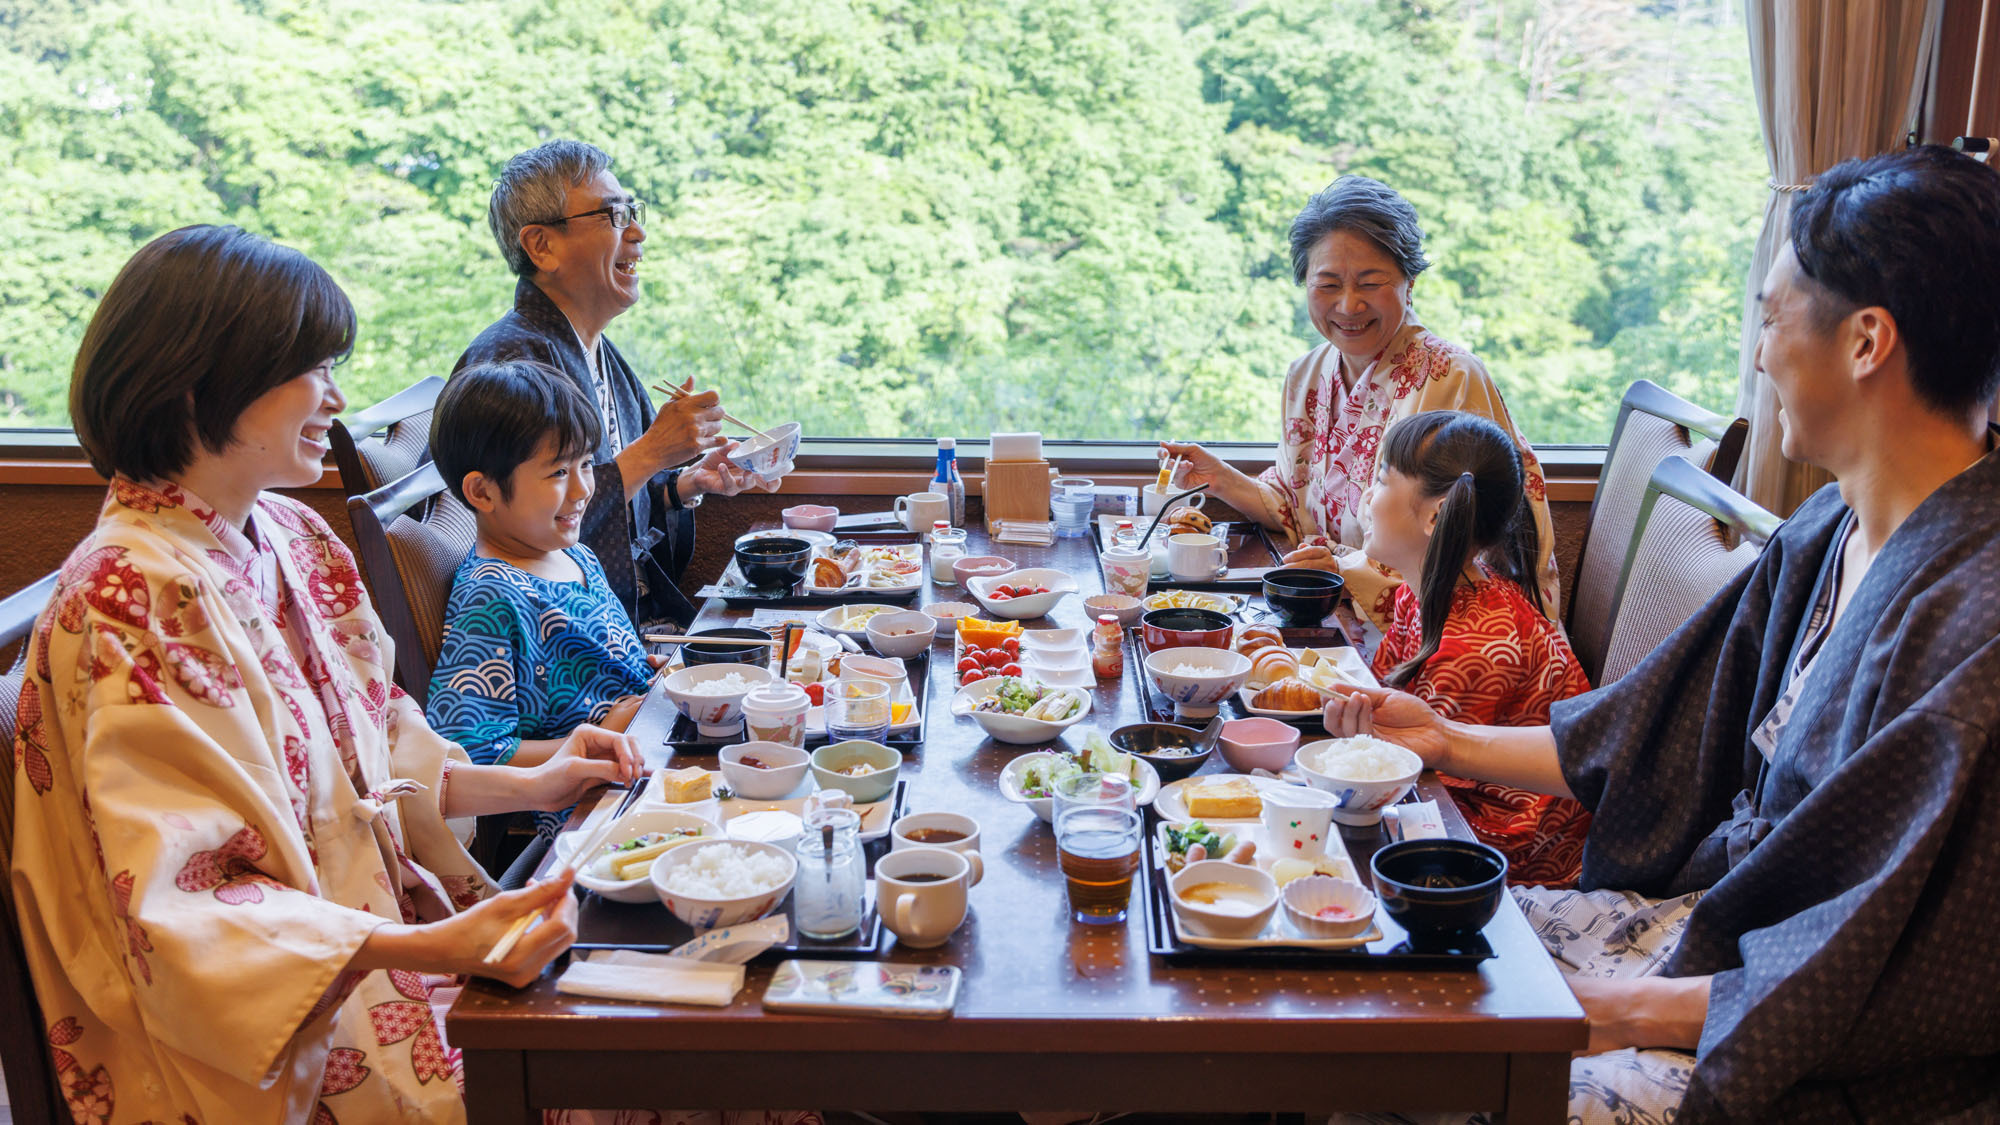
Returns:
point(746, 642)
point(521, 925)
point(674, 392)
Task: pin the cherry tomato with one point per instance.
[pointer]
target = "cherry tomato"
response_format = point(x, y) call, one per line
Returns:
point(816, 694)
point(1011, 670)
point(971, 677)
point(1012, 646)
point(967, 662)
point(1001, 594)
point(994, 658)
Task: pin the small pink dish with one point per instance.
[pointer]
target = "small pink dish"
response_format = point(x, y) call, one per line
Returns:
point(1258, 743)
point(810, 517)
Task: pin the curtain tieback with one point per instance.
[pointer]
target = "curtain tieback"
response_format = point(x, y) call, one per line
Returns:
point(1776, 186)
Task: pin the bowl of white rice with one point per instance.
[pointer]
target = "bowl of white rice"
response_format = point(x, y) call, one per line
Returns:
point(712, 694)
point(1197, 679)
point(1364, 772)
point(712, 883)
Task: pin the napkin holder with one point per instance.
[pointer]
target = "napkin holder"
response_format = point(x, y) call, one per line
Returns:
point(1017, 490)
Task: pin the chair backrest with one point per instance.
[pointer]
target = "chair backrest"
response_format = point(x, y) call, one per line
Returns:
point(33, 1090)
point(1694, 535)
point(413, 534)
point(403, 420)
point(1653, 423)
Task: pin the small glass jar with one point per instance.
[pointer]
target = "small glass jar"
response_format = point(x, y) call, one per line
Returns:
point(828, 898)
point(947, 547)
point(776, 713)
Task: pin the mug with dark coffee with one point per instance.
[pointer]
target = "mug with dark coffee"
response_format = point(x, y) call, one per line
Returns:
point(920, 893)
point(951, 831)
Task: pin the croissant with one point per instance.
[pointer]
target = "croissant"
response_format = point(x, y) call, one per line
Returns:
point(1269, 665)
point(827, 573)
point(1250, 638)
point(1289, 694)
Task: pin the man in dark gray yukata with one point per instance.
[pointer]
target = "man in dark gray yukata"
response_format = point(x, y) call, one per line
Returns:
point(574, 236)
point(1805, 774)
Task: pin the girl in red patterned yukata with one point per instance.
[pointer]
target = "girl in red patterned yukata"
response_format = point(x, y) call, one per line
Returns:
point(1470, 636)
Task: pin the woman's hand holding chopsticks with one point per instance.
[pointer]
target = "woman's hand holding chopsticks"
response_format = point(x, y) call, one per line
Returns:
point(510, 937)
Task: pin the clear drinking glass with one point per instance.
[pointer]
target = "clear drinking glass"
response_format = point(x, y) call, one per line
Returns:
point(1071, 499)
point(857, 709)
point(1098, 849)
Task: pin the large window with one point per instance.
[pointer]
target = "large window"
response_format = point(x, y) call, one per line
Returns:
point(918, 217)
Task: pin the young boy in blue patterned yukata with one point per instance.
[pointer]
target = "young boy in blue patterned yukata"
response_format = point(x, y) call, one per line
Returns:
point(535, 643)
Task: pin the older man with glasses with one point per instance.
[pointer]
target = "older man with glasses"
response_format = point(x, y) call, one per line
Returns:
point(574, 237)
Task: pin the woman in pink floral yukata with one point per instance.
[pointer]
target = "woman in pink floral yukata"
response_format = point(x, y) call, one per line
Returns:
point(1357, 249)
point(236, 887)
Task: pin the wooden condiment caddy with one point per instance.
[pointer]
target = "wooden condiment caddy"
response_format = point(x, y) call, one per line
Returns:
point(1017, 490)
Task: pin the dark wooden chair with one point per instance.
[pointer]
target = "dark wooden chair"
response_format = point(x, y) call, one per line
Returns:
point(1653, 423)
point(1694, 535)
point(402, 421)
point(34, 1093)
point(412, 534)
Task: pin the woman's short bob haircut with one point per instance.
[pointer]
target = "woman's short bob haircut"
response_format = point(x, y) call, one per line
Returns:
point(1916, 232)
point(197, 326)
point(1369, 208)
point(492, 418)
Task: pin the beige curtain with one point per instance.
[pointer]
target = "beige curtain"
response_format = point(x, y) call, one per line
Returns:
point(1834, 79)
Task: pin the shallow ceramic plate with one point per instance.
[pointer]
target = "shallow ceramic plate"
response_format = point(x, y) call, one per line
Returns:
point(1173, 808)
point(1010, 784)
point(875, 815)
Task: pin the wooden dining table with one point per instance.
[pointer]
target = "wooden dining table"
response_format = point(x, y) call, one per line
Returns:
point(1051, 1015)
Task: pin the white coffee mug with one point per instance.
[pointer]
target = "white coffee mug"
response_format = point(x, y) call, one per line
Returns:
point(920, 893)
point(966, 845)
point(1298, 820)
point(919, 510)
point(1153, 496)
point(1193, 557)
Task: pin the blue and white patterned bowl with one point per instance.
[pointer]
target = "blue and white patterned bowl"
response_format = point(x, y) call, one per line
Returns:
point(708, 913)
point(1212, 675)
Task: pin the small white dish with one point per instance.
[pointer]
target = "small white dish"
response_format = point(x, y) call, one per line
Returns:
point(590, 873)
point(1245, 898)
point(1147, 780)
point(1080, 677)
point(902, 634)
point(951, 611)
point(900, 693)
point(1306, 898)
point(867, 788)
point(1018, 729)
point(784, 768)
point(842, 619)
point(1071, 638)
point(1059, 585)
point(1172, 806)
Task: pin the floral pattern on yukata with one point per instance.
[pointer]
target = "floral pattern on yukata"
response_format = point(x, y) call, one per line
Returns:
point(206, 708)
point(1332, 437)
point(1500, 663)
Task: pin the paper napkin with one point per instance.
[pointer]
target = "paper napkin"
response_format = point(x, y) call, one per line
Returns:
point(622, 974)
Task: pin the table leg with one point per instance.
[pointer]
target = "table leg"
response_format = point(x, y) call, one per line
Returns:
point(1537, 1089)
point(496, 1089)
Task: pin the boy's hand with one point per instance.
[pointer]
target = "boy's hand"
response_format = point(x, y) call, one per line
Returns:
point(623, 710)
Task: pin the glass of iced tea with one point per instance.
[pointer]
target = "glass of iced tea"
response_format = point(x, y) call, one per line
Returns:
point(1097, 845)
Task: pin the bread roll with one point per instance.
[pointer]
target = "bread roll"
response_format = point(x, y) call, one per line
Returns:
point(1189, 520)
point(1250, 638)
point(1269, 665)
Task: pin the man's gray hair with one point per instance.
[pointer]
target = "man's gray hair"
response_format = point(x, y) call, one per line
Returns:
point(532, 189)
point(1369, 208)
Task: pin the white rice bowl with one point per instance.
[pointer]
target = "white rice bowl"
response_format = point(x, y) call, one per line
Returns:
point(1363, 758)
point(723, 882)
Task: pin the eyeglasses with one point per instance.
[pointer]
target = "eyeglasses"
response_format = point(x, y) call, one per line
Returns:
point(621, 215)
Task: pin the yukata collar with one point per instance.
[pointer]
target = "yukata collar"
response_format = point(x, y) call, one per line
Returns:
point(1391, 353)
point(182, 508)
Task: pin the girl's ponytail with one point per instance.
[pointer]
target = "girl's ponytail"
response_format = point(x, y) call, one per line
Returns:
point(1453, 543)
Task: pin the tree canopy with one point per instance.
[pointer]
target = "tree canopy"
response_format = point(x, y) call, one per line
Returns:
point(919, 217)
